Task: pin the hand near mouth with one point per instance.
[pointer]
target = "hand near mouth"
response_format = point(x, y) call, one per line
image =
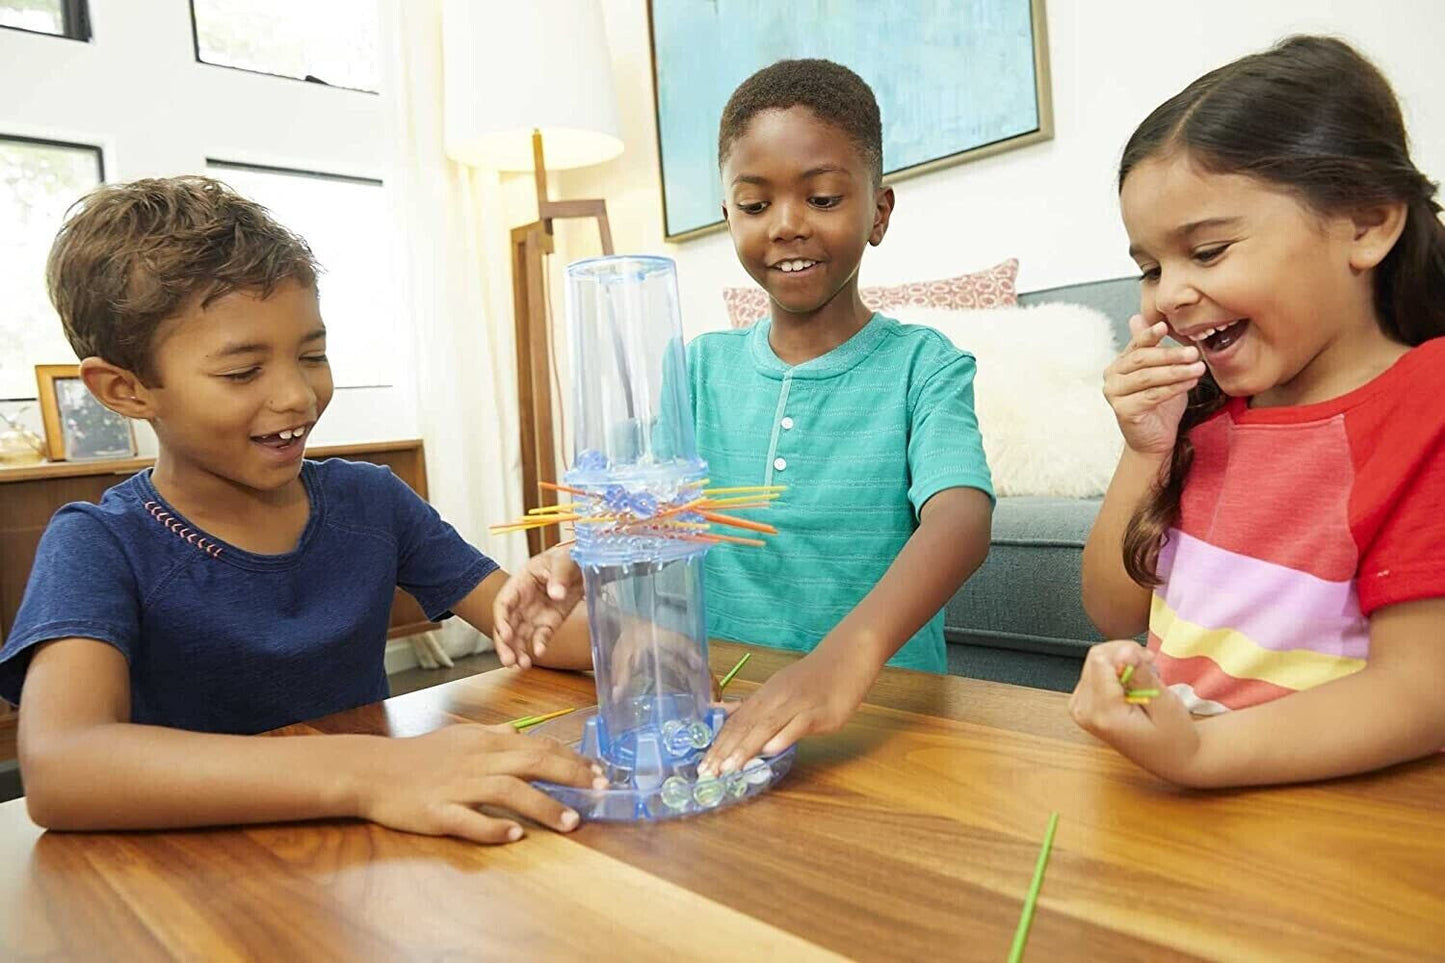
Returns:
point(1148, 387)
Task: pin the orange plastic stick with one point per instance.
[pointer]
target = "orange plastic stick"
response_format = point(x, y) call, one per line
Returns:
point(739, 523)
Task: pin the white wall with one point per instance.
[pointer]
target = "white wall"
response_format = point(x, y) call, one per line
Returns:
point(1051, 205)
point(137, 91)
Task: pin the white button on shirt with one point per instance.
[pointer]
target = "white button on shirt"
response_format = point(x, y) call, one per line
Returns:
point(780, 463)
point(787, 424)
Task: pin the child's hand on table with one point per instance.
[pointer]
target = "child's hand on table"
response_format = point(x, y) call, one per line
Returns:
point(813, 695)
point(533, 603)
point(431, 784)
point(1159, 735)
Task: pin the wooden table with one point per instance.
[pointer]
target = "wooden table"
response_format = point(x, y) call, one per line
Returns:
point(911, 834)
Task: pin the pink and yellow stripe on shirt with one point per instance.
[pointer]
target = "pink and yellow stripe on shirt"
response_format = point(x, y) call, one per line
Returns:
point(1259, 597)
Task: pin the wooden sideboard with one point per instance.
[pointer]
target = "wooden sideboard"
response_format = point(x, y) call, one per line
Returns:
point(29, 495)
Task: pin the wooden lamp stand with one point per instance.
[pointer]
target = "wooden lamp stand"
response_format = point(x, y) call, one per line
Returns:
point(530, 243)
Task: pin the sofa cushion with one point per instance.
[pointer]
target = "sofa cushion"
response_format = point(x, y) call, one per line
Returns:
point(1020, 618)
point(1027, 595)
point(1116, 297)
point(1047, 429)
point(991, 288)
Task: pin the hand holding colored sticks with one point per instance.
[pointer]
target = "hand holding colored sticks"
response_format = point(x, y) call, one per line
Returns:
point(1148, 723)
point(1135, 697)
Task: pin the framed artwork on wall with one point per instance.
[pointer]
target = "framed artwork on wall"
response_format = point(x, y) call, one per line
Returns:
point(77, 426)
point(956, 80)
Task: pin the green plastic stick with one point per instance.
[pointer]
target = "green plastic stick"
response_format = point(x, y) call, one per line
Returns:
point(733, 671)
point(1021, 935)
point(1127, 673)
point(1144, 693)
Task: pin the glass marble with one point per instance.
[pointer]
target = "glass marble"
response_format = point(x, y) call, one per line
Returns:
point(676, 793)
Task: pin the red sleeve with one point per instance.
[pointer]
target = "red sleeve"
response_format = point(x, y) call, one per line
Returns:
point(1399, 517)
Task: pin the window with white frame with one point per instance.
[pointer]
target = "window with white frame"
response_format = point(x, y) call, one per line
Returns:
point(340, 219)
point(310, 152)
point(330, 41)
point(39, 180)
point(61, 18)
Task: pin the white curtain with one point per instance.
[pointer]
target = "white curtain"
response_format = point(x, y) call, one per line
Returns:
point(457, 306)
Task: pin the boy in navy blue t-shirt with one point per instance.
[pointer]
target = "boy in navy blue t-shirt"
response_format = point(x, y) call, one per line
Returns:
point(235, 587)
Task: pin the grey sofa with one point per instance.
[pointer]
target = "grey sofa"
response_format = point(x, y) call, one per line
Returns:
point(1020, 618)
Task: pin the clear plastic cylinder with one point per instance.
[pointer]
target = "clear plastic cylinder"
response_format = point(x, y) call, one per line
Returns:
point(635, 464)
point(633, 497)
point(631, 413)
point(649, 646)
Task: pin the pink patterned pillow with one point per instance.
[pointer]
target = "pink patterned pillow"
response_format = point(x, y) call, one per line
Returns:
point(993, 288)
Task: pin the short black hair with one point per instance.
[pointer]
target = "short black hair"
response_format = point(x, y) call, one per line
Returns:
point(833, 92)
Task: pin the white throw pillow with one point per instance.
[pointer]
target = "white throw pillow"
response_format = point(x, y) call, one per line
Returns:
point(1047, 429)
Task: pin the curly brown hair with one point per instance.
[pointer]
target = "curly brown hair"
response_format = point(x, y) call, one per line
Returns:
point(130, 256)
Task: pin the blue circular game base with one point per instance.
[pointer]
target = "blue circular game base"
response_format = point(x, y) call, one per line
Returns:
point(680, 794)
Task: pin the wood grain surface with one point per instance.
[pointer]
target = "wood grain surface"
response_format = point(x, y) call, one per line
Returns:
point(910, 834)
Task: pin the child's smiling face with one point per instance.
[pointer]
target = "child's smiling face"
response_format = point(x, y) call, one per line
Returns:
point(801, 206)
point(237, 374)
point(1267, 289)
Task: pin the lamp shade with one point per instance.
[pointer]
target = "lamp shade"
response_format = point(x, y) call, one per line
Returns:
point(514, 67)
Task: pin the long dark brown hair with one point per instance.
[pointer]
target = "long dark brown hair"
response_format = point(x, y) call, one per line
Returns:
point(1314, 117)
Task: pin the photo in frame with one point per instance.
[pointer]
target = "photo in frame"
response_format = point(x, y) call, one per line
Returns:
point(77, 426)
point(956, 80)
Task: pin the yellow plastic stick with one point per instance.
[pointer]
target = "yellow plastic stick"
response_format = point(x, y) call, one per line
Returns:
point(527, 722)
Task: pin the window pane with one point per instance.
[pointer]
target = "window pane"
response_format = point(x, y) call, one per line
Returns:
point(341, 218)
point(44, 16)
point(38, 182)
point(332, 40)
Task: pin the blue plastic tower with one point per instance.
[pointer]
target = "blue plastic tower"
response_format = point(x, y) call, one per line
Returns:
point(641, 551)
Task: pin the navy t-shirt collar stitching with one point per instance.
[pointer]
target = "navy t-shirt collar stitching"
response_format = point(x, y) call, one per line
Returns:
point(175, 526)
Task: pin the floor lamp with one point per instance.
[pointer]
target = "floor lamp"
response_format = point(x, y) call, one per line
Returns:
point(528, 86)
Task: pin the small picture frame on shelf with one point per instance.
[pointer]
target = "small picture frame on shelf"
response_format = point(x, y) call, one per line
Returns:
point(77, 426)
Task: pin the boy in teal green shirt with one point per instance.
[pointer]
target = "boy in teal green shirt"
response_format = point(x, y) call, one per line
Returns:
point(869, 424)
point(863, 436)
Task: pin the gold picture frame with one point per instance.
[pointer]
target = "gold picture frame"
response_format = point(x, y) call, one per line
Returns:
point(77, 426)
